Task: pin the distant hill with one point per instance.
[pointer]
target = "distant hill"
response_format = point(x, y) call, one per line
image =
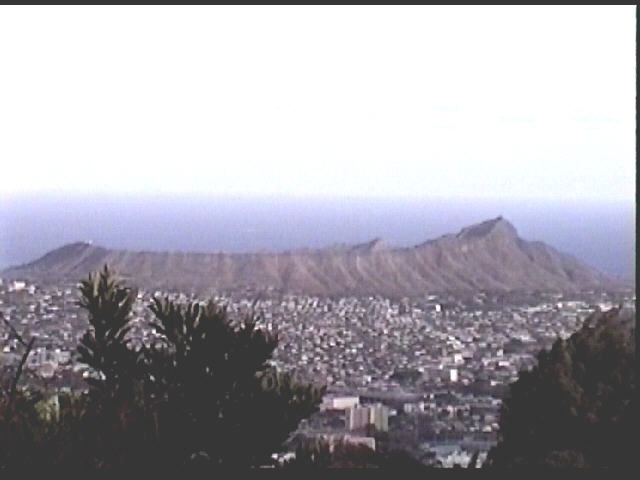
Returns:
point(486, 256)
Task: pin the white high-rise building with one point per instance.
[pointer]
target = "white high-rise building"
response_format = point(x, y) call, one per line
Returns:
point(379, 417)
point(357, 417)
point(17, 285)
point(339, 403)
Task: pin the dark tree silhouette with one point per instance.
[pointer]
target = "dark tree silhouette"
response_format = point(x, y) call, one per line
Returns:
point(104, 347)
point(17, 408)
point(217, 397)
point(203, 395)
point(32, 430)
point(575, 407)
point(314, 453)
point(114, 430)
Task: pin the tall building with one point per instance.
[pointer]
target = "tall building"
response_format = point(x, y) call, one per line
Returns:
point(339, 403)
point(357, 417)
point(379, 417)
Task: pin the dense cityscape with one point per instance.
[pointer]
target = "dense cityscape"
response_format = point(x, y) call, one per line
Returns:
point(423, 374)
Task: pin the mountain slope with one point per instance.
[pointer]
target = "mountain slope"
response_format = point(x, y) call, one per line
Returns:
point(486, 256)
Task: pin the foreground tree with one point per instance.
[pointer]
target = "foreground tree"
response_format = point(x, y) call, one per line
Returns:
point(116, 428)
point(575, 408)
point(216, 397)
point(204, 392)
point(34, 424)
point(105, 346)
point(314, 453)
point(204, 395)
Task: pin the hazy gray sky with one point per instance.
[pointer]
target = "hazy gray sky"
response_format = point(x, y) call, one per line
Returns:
point(414, 101)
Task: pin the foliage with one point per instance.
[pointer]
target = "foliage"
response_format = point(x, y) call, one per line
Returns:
point(39, 432)
point(204, 395)
point(104, 347)
point(215, 392)
point(575, 407)
point(319, 453)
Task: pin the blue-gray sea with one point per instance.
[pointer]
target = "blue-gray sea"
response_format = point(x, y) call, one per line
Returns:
point(601, 234)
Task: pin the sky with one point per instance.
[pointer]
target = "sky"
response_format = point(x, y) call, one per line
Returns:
point(508, 102)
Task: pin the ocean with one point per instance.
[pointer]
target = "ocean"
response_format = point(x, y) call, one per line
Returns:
point(601, 234)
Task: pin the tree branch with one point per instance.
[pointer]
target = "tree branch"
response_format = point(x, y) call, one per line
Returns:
point(13, 330)
point(16, 378)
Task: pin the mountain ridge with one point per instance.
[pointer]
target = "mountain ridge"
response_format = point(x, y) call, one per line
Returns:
point(486, 256)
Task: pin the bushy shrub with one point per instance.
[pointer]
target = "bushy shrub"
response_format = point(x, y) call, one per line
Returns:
point(575, 407)
point(204, 395)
